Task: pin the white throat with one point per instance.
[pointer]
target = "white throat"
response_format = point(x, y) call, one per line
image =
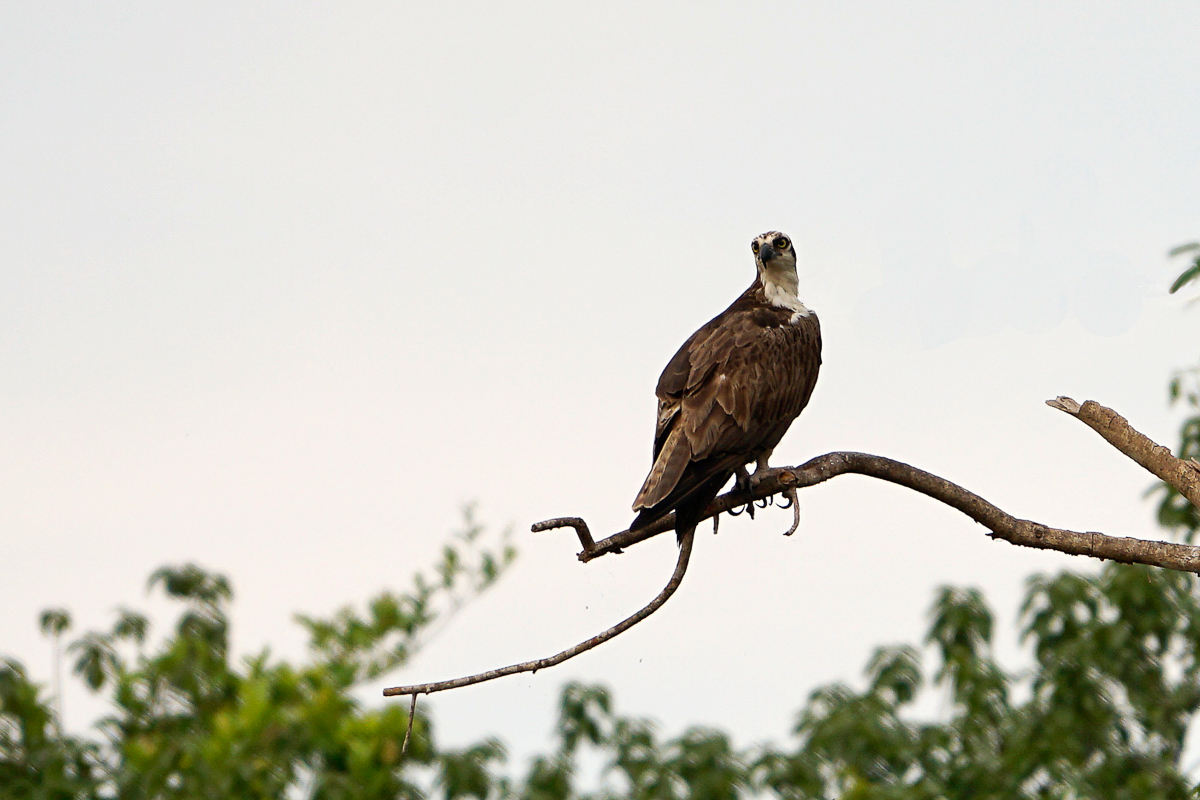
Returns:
point(780, 286)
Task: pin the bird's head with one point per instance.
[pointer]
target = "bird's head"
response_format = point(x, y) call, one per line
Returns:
point(775, 258)
point(773, 253)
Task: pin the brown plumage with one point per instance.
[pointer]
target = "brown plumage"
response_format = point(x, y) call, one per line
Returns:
point(731, 392)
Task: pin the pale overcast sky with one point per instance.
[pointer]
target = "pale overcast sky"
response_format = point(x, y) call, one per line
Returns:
point(281, 288)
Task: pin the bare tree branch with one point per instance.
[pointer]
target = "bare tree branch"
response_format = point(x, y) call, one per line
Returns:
point(1184, 476)
point(1117, 431)
point(1114, 428)
point(685, 552)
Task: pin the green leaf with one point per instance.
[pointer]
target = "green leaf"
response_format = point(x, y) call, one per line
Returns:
point(55, 621)
point(131, 625)
point(1188, 275)
point(190, 582)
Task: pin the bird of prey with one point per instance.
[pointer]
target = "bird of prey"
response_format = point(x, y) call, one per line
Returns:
point(731, 392)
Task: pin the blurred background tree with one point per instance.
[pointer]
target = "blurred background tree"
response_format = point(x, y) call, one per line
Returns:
point(191, 721)
point(1104, 713)
point(1175, 512)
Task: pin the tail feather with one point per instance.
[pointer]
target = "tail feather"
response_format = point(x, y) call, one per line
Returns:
point(668, 468)
point(690, 511)
point(692, 494)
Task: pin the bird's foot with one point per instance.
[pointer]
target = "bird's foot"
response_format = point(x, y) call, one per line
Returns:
point(741, 483)
point(794, 504)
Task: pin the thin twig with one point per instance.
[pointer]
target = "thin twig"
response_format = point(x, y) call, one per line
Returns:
point(685, 552)
point(412, 714)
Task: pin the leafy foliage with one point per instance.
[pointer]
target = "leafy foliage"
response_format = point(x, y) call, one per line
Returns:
point(1105, 712)
point(35, 759)
point(189, 722)
point(1191, 273)
point(1174, 511)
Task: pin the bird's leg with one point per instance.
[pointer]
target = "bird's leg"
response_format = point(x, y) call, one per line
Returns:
point(741, 479)
point(760, 466)
point(741, 483)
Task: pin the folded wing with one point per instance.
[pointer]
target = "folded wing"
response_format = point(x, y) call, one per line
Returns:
point(725, 399)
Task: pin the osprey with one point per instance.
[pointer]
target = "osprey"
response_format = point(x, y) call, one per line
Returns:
point(731, 392)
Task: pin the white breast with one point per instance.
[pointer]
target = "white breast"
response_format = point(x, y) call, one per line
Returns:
point(780, 291)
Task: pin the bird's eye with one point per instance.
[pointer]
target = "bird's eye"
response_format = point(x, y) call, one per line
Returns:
point(781, 243)
point(754, 247)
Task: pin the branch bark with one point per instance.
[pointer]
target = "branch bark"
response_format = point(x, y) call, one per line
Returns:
point(1116, 430)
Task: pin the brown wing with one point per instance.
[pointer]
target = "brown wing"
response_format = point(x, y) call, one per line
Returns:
point(672, 450)
point(727, 397)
